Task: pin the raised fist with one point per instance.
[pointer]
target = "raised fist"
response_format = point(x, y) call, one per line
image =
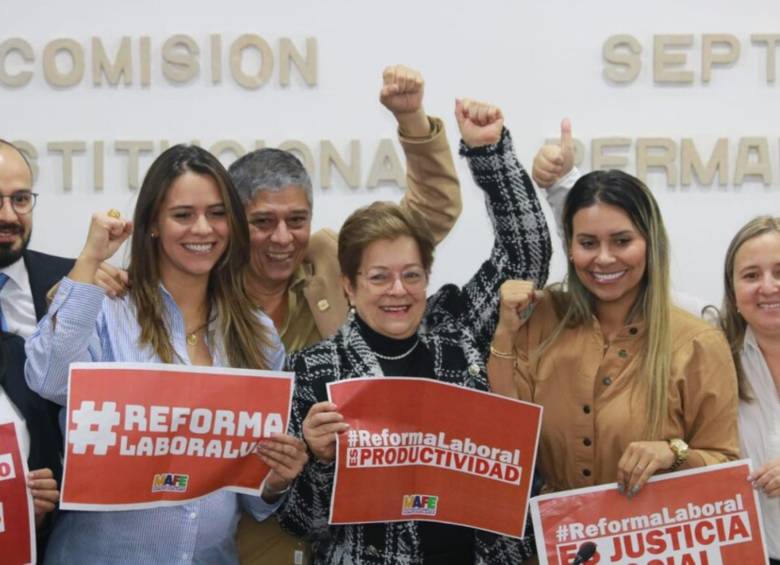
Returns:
point(480, 123)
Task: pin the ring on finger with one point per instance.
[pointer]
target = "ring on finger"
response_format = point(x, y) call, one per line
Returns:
point(114, 213)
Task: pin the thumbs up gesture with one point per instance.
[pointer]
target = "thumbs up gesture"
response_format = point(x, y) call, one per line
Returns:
point(555, 160)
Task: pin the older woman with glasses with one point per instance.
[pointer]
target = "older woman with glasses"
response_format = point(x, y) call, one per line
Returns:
point(385, 254)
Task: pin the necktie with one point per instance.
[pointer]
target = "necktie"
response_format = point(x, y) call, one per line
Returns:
point(3, 323)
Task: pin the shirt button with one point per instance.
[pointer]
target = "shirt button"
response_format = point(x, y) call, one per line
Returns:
point(586, 472)
point(193, 515)
point(473, 369)
point(607, 381)
point(623, 353)
point(633, 331)
point(587, 442)
point(586, 409)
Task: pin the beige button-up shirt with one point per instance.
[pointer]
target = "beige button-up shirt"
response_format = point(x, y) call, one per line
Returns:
point(593, 410)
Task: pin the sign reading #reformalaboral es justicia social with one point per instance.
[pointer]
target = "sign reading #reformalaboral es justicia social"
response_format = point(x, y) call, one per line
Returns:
point(419, 449)
point(145, 435)
point(703, 516)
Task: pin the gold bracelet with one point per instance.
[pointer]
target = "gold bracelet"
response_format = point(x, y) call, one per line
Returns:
point(500, 354)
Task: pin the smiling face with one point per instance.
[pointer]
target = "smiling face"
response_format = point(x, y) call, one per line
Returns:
point(191, 227)
point(609, 254)
point(15, 228)
point(757, 283)
point(279, 229)
point(389, 290)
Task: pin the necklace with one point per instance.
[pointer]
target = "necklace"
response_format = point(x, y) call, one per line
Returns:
point(192, 338)
point(401, 356)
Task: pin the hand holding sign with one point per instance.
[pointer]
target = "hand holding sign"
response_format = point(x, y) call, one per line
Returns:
point(320, 427)
point(44, 491)
point(640, 461)
point(767, 478)
point(286, 456)
point(553, 161)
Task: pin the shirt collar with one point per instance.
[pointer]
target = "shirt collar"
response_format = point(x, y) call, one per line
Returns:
point(301, 274)
point(17, 272)
point(749, 342)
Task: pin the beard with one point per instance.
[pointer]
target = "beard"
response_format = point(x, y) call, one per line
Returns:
point(8, 253)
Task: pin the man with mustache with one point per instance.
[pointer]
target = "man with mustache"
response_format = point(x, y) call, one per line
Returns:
point(25, 275)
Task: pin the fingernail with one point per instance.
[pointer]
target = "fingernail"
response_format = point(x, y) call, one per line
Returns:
point(633, 491)
point(620, 488)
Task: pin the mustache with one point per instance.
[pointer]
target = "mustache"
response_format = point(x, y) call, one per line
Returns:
point(11, 227)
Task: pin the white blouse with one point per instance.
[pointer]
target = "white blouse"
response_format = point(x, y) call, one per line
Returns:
point(759, 426)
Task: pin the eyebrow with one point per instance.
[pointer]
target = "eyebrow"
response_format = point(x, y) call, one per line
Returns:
point(191, 207)
point(271, 213)
point(752, 266)
point(383, 268)
point(616, 234)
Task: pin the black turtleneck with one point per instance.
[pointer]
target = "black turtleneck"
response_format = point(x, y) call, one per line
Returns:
point(440, 543)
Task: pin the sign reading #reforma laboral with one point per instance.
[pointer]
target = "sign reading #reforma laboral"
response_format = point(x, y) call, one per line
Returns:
point(17, 528)
point(704, 516)
point(440, 452)
point(171, 433)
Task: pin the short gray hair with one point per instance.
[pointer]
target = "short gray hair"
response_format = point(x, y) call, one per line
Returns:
point(269, 170)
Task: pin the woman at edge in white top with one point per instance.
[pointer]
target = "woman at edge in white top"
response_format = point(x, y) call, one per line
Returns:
point(750, 318)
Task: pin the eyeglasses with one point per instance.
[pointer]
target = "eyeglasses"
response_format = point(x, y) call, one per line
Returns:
point(22, 201)
point(382, 280)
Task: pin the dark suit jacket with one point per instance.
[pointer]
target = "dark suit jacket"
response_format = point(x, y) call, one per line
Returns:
point(39, 414)
point(44, 272)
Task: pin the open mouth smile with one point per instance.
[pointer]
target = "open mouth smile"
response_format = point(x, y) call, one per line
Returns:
point(607, 277)
point(199, 248)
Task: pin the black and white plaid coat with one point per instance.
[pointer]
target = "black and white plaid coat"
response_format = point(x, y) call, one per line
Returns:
point(457, 328)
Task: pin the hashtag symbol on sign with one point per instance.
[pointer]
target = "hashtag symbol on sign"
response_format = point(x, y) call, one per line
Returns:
point(562, 533)
point(94, 427)
point(351, 438)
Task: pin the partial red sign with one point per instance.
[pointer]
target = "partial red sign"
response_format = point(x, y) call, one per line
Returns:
point(17, 519)
point(145, 435)
point(418, 449)
point(703, 516)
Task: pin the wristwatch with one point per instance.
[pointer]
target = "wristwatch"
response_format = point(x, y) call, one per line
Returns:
point(680, 450)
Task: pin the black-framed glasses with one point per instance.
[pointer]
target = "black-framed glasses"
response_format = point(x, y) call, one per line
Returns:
point(22, 201)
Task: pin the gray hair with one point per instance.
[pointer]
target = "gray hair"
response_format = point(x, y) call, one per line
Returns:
point(269, 170)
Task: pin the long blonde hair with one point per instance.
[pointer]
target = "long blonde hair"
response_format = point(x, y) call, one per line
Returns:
point(245, 338)
point(731, 321)
point(575, 304)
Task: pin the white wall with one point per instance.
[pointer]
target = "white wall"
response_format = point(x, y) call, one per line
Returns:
point(538, 60)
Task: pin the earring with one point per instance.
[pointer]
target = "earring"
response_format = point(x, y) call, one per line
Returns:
point(571, 258)
point(153, 235)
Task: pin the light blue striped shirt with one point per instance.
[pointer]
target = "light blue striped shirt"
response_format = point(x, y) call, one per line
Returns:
point(93, 327)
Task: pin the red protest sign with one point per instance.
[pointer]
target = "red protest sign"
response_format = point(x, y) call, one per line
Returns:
point(703, 516)
point(440, 452)
point(17, 525)
point(144, 435)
